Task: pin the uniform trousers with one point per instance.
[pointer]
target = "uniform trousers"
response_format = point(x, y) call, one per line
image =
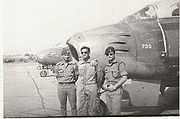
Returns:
point(87, 100)
point(67, 91)
point(114, 100)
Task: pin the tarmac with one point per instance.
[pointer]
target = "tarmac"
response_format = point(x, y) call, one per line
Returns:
point(27, 95)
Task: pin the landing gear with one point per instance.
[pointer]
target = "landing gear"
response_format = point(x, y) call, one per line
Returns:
point(102, 109)
point(43, 73)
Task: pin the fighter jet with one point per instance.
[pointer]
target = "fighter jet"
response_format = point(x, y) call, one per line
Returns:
point(147, 41)
point(48, 59)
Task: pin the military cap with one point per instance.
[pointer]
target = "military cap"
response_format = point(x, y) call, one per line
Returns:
point(109, 49)
point(65, 51)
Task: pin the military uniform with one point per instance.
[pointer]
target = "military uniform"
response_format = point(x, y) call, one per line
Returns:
point(113, 73)
point(66, 73)
point(89, 75)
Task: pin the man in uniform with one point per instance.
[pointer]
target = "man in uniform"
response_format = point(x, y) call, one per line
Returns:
point(66, 74)
point(89, 76)
point(115, 76)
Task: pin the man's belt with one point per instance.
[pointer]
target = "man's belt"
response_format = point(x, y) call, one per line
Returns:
point(66, 82)
point(112, 82)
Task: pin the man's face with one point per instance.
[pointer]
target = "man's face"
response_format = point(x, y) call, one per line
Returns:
point(85, 53)
point(66, 57)
point(110, 56)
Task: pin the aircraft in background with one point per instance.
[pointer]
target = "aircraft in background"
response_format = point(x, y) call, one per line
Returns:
point(147, 41)
point(48, 59)
point(16, 58)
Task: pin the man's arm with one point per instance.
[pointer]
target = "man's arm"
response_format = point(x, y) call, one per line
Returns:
point(99, 75)
point(98, 72)
point(104, 86)
point(76, 72)
point(117, 85)
point(56, 71)
point(121, 82)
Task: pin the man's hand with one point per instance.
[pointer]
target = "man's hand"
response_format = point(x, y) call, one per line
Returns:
point(105, 87)
point(111, 88)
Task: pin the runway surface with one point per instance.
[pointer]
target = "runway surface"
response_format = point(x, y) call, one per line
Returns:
point(26, 94)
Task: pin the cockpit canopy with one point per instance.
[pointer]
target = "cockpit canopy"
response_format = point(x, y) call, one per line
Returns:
point(167, 8)
point(146, 13)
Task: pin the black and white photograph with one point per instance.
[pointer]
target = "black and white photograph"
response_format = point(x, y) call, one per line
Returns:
point(90, 58)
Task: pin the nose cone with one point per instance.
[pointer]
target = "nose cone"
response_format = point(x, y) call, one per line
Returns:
point(40, 58)
point(49, 57)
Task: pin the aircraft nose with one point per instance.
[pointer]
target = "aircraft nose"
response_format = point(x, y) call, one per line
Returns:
point(41, 56)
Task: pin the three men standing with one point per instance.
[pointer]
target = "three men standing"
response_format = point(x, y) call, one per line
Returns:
point(89, 75)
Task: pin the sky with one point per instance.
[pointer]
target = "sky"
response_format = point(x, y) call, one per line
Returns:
point(30, 26)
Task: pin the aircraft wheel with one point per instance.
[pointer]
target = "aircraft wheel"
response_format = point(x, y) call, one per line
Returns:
point(102, 109)
point(43, 73)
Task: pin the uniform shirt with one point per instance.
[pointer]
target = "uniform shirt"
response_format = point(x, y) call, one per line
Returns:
point(88, 72)
point(114, 72)
point(66, 72)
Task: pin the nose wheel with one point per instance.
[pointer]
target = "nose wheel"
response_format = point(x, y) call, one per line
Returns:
point(43, 73)
point(102, 109)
